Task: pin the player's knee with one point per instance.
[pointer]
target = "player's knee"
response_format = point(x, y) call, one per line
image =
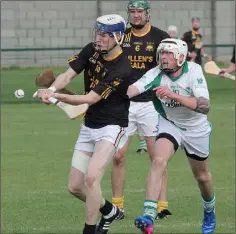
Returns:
point(119, 159)
point(75, 189)
point(159, 163)
point(202, 176)
point(90, 180)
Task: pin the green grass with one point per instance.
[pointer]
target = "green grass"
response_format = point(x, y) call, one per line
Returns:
point(37, 144)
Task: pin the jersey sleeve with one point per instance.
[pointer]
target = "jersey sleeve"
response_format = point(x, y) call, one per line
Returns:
point(199, 85)
point(80, 61)
point(233, 56)
point(147, 80)
point(106, 87)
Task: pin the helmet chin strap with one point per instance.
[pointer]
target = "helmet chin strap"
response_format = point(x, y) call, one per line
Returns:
point(106, 51)
point(169, 71)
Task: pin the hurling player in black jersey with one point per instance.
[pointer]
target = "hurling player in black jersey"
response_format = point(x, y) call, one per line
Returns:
point(140, 45)
point(194, 40)
point(107, 75)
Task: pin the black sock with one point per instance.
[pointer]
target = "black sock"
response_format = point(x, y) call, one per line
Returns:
point(89, 229)
point(107, 208)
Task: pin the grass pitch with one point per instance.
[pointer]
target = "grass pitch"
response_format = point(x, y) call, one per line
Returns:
point(37, 145)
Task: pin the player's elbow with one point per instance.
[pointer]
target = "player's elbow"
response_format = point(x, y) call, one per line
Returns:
point(206, 110)
point(203, 105)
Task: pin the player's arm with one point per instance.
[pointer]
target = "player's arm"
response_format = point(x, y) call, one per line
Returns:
point(143, 84)
point(189, 102)
point(198, 104)
point(101, 91)
point(89, 98)
point(133, 91)
point(63, 79)
point(232, 65)
point(206, 56)
point(200, 100)
point(77, 64)
point(229, 69)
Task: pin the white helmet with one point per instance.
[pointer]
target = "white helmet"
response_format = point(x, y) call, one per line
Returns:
point(111, 24)
point(176, 46)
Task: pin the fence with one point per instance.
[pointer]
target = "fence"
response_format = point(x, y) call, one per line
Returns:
point(42, 33)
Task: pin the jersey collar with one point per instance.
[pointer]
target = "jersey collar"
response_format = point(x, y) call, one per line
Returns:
point(143, 34)
point(115, 56)
point(184, 70)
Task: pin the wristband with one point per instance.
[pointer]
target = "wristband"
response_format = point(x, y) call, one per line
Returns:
point(53, 89)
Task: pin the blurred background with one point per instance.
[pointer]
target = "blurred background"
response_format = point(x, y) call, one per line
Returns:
point(47, 33)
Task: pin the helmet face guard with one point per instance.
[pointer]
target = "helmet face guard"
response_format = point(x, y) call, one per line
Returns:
point(139, 5)
point(178, 48)
point(104, 32)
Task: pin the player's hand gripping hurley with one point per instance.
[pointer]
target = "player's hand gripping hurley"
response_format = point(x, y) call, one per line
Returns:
point(45, 79)
point(211, 68)
point(73, 112)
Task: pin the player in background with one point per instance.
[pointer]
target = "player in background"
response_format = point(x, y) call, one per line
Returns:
point(194, 40)
point(181, 97)
point(140, 44)
point(173, 31)
point(231, 67)
point(106, 78)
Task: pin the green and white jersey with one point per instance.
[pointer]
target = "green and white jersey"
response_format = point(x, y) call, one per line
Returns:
point(190, 83)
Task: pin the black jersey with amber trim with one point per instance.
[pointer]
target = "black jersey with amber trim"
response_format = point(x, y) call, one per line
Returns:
point(108, 78)
point(141, 52)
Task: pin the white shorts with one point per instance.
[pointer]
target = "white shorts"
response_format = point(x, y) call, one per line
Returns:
point(195, 143)
point(89, 136)
point(143, 118)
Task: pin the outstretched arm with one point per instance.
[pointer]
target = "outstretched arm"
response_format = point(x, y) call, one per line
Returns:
point(229, 69)
point(89, 98)
point(63, 79)
point(144, 83)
